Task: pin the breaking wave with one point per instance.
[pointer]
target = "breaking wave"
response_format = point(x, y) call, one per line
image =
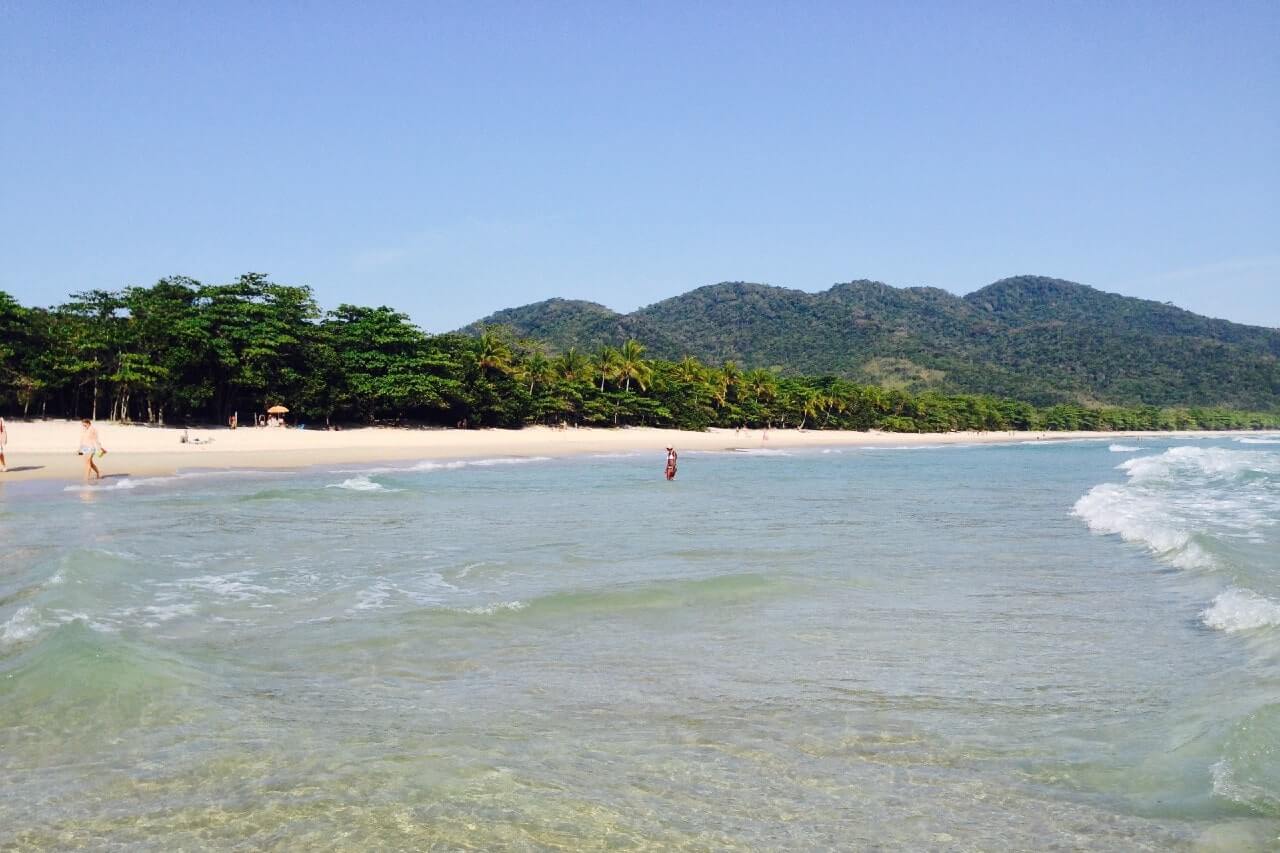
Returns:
point(1208, 509)
point(360, 484)
point(1241, 610)
point(445, 465)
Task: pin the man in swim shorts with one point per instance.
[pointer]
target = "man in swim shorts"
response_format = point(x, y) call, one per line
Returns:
point(90, 446)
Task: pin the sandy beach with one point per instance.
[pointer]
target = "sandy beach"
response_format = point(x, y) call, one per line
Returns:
point(46, 449)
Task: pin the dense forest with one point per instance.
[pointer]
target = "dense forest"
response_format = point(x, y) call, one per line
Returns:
point(1031, 338)
point(182, 351)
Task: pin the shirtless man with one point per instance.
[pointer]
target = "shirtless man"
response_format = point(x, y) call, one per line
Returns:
point(90, 445)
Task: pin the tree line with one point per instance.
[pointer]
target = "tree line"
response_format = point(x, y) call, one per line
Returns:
point(181, 351)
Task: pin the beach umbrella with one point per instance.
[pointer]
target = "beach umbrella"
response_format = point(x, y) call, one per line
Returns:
point(277, 410)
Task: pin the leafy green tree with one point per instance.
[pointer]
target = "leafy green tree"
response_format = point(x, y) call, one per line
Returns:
point(388, 367)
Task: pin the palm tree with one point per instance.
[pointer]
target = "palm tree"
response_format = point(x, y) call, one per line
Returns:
point(809, 402)
point(573, 365)
point(690, 370)
point(493, 353)
point(537, 368)
point(724, 381)
point(833, 403)
point(606, 364)
point(760, 384)
point(631, 364)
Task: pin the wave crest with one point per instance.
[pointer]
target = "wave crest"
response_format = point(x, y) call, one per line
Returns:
point(1189, 503)
point(360, 484)
point(24, 624)
point(1200, 461)
point(1241, 610)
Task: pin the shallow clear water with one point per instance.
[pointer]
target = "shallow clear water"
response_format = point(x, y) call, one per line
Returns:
point(1018, 647)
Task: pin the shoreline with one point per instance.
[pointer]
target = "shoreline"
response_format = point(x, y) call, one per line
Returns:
point(44, 450)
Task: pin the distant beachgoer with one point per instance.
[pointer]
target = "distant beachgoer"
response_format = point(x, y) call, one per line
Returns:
point(671, 463)
point(4, 439)
point(90, 446)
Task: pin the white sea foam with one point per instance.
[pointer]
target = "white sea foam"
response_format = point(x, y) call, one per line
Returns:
point(452, 465)
point(1241, 610)
point(1051, 440)
point(445, 465)
point(157, 613)
point(491, 609)
point(466, 570)
point(1229, 786)
point(372, 598)
point(24, 624)
point(122, 484)
point(507, 460)
point(1185, 494)
point(27, 622)
point(1258, 440)
point(59, 616)
point(360, 484)
point(1210, 461)
point(238, 586)
point(1124, 448)
point(1117, 509)
point(126, 483)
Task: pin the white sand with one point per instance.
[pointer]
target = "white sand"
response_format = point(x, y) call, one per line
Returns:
point(47, 449)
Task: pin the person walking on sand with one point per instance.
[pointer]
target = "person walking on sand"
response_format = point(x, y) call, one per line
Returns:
point(90, 446)
point(671, 463)
point(4, 439)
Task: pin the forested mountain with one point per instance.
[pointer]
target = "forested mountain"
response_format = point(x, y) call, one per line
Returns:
point(1032, 338)
point(578, 320)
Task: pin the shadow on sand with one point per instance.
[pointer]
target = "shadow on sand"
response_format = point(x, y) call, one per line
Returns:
point(18, 468)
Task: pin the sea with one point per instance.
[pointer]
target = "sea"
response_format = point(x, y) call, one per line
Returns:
point(1034, 646)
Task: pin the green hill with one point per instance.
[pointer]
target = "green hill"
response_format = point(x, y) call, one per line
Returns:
point(1039, 339)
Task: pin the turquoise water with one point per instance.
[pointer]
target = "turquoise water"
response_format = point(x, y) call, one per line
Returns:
point(1014, 647)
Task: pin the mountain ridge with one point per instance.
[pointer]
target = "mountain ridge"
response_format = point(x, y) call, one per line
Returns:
point(1031, 337)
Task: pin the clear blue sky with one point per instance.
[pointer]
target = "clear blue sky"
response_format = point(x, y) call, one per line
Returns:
point(451, 159)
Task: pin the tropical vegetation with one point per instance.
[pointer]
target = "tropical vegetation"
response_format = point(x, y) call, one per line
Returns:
point(183, 351)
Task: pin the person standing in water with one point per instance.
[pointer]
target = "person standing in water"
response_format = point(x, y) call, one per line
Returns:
point(90, 446)
point(4, 439)
point(671, 463)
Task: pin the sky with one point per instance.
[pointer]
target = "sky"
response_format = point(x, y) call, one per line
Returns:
point(453, 159)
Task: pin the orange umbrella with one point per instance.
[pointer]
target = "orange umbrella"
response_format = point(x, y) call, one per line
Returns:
point(277, 410)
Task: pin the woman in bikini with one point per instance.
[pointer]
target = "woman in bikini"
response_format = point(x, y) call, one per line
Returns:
point(671, 463)
point(89, 447)
point(4, 439)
